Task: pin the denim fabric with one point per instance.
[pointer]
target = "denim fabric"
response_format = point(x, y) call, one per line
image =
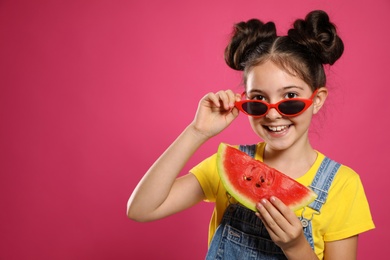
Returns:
point(322, 181)
point(320, 185)
point(242, 235)
point(307, 231)
point(249, 149)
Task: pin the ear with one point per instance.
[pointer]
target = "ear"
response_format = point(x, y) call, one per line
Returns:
point(319, 99)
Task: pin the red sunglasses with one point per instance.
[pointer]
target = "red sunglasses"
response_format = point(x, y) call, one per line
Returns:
point(286, 107)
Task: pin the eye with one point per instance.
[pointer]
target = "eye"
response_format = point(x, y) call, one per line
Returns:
point(258, 97)
point(291, 95)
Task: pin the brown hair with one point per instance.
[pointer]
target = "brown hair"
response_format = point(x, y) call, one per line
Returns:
point(309, 45)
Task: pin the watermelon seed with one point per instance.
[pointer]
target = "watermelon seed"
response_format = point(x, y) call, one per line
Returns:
point(258, 185)
point(262, 179)
point(247, 178)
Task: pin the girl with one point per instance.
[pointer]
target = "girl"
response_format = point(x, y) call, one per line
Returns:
point(285, 85)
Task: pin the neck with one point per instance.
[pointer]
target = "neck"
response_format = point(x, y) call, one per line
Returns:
point(294, 162)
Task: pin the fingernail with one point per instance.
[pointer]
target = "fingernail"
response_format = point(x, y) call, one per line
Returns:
point(263, 201)
point(273, 199)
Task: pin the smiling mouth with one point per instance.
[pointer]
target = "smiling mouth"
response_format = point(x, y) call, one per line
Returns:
point(277, 129)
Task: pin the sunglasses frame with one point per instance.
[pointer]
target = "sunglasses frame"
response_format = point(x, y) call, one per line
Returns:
point(308, 102)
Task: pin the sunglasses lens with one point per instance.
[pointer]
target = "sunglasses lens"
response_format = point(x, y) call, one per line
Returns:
point(291, 107)
point(255, 108)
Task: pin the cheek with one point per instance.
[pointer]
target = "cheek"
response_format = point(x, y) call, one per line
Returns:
point(303, 120)
point(256, 124)
point(253, 121)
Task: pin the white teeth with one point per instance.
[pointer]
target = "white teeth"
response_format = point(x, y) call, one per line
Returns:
point(277, 128)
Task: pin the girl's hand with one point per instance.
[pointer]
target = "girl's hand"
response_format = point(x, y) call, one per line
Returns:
point(215, 112)
point(284, 228)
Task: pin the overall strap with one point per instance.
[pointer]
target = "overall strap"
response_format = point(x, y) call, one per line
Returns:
point(320, 185)
point(250, 149)
point(322, 181)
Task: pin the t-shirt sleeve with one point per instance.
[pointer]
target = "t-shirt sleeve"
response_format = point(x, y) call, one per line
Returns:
point(352, 214)
point(207, 175)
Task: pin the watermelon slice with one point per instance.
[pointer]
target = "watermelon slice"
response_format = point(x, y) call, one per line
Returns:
point(249, 180)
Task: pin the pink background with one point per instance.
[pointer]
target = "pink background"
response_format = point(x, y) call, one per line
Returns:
point(92, 92)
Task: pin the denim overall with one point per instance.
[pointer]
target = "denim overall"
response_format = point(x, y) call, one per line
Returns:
point(242, 235)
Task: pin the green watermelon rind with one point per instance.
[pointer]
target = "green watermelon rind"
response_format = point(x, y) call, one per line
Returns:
point(249, 203)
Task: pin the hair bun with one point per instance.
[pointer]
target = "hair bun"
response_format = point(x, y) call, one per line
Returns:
point(248, 37)
point(319, 35)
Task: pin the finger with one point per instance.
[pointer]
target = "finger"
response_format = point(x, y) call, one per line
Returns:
point(232, 98)
point(228, 98)
point(269, 229)
point(289, 224)
point(235, 110)
point(285, 211)
point(224, 99)
point(281, 214)
point(212, 99)
point(270, 216)
point(237, 97)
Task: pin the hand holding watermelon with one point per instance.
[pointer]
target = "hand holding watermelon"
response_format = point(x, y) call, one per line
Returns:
point(282, 225)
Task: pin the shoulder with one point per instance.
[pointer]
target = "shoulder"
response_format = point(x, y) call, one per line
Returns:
point(345, 181)
point(348, 186)
point(346, 176)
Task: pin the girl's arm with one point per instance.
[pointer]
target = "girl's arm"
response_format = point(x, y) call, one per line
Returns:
point(160, 193)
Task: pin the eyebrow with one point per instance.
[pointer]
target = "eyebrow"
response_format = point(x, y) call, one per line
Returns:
point(291, 87)
point(279, 90)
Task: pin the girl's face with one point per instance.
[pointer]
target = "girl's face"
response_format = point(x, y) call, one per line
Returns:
point(271, 84)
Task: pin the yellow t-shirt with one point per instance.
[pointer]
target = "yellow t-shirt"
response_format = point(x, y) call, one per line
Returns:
point(346, 212)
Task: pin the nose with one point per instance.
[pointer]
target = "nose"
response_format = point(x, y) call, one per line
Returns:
point(273, 114)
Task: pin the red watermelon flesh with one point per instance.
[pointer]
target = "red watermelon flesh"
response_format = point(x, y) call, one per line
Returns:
point(249, 180)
